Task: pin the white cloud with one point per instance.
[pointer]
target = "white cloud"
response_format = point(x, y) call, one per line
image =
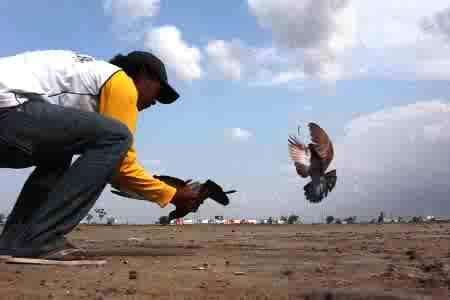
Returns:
point(438, 23)
point(395, 43)
point(131, 18)
point(238, 134)
point(320, 29)
point(337, 39)
point(285, 77)
point(304, 24)
point(417, 112)
point(126, 10)
point(396, 159)
point(312, 39)
point(308, 39)
point(260, 66)
point(227, 57)
point(167, 43)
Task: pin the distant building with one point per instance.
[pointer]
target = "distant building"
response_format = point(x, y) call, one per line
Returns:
point(219, 220)
point(442, 220)
point(111, 221)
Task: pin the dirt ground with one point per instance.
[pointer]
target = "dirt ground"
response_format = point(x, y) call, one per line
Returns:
point(246, 262)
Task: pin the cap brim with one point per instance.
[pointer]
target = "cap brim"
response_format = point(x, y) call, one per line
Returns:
point(167, 94)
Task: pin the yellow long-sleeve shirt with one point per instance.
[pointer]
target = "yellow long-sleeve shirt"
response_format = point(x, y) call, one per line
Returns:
point(118, 100)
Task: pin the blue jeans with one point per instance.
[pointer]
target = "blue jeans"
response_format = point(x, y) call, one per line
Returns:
point(58, 194)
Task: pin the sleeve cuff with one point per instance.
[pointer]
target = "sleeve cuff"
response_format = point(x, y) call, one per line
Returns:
point(166, 196)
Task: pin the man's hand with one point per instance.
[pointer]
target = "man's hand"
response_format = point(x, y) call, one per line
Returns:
point(189, 195)
point(186, 200)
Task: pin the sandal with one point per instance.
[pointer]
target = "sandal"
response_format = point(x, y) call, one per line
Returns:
point(67, 256)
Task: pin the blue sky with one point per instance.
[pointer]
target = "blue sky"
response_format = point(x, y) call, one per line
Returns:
point(249, 72)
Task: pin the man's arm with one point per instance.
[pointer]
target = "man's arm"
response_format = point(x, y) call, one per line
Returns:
point(118, 100)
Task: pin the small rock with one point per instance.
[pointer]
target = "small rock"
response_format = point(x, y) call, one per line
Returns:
point(132, 275)
point(198, 268)
point(390, 268)
point(436, 266)
point(130, 291)
point(205, 265)
point(135, 239)
point(42, 282)
point(99, 297)
point(411, 254)
point(343, 283)
point(287, 272)
point(232, 230)
point(203, 285)
point(239, 273)
point(227, 263)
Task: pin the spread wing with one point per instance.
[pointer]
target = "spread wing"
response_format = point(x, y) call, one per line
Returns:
point(322, 144)
point(299, 153)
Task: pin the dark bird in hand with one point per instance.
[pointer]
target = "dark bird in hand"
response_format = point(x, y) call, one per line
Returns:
point(312, 160)
point(208, 189)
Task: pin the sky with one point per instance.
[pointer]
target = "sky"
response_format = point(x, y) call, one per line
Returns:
point(374, 74)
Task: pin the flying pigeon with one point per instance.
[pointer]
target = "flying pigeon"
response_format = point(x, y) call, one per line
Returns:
point(212, 190)
point(312, 160)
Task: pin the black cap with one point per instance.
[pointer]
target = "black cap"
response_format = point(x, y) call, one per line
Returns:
point(156, 67)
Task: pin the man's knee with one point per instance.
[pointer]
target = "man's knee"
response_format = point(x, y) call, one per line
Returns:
point(120, 133)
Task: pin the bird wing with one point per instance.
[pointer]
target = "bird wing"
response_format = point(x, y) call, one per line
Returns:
point(322, 144)
point(299, 153)
point(331, 179)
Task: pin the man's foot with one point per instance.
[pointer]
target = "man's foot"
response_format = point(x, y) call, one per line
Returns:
point(69, 255)
point(66, 254)
point(36, 261)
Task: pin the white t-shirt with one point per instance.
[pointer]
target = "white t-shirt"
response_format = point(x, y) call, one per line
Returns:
point(60, 77)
